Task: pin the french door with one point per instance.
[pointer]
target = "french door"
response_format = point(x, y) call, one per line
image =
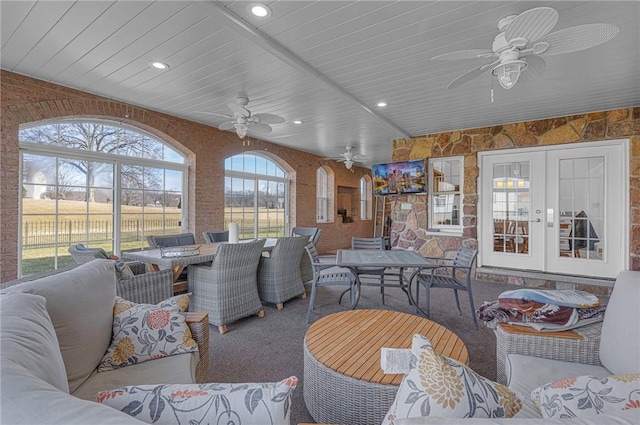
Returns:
point(560, 210)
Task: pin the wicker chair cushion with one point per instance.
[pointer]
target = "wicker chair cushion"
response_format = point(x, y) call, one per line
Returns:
point(620, 348)
point(248, 404)
point(439, 386)
point(29, 341)
point(585, 396)
point(80, 304)
point(145, 332)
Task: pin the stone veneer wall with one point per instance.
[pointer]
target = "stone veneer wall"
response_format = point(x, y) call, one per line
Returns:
point(26, 100)
point(409, 226)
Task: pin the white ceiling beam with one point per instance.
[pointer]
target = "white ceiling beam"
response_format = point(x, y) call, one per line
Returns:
point(284, 54)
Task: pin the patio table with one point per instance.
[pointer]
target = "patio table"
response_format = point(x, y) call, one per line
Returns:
point(206, 253)
point(396, 258)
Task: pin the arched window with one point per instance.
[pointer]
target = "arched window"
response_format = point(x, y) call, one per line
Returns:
point(324, 195)
point(366, 190)
point(256, 196)
point(322, 191)
point(97, 183)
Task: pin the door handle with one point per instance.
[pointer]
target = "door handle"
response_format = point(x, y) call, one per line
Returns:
point(537, 220)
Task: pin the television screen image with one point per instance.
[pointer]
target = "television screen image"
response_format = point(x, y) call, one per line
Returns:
point(398, 178)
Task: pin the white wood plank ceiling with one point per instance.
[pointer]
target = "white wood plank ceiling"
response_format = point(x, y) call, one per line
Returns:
point(326, 63)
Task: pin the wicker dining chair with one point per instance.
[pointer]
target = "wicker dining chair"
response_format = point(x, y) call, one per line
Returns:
point(227, 288)
point(82, 254)
point(164, 241)
point(324, 277)
point(313, 234)
point(219, 236)
point(449, 276)
point(374, 244)
point(279, 274)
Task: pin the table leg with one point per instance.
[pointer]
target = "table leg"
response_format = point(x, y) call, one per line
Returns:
point(176, 271)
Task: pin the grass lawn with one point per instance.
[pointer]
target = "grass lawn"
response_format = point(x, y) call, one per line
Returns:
point(39, 225)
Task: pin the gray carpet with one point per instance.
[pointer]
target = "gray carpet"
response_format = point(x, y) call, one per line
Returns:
point(270, 349)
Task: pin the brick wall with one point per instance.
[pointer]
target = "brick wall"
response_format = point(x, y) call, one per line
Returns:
point(27, 100)
point(407, 229)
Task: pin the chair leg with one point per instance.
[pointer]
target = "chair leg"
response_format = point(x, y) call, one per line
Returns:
point(455, 292)
point(427, 289)
point(280, 306)
point(261, 314)
point(222, 329)
point(473, 310)
point(312, 301)
point(304, 295)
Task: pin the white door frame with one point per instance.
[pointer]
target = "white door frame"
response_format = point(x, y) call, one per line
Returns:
point(621, 244)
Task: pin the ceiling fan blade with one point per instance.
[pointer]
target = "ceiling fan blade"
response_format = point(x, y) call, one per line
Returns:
point(262, 128)
point(463, 54)
point(216, 114)
point(535, 67)
point(238, 109)
point(532, 24)
point(466, 77)
point(578, 38)
point(269, 118)
point(226, 125)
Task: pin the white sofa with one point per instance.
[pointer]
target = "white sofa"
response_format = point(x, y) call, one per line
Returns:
point(619, 354)
point(54, 332)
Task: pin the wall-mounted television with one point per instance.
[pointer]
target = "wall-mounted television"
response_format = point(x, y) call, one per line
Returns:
point(398, 178)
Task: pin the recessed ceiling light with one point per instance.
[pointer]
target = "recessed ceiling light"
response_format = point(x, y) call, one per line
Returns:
point(297, 122)
point(381, 104)
point(259, 10)
point(158, 65)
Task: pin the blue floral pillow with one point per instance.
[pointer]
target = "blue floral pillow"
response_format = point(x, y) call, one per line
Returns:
point(176, 404)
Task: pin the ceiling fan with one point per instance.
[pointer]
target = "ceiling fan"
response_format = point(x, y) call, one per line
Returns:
point(523, 40)
point(244, 121)
point(348, 158)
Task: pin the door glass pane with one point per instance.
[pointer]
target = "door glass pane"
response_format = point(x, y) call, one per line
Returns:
point(511, 206)
point(581, 200)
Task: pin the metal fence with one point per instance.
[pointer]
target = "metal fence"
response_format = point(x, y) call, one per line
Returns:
point(42, 234)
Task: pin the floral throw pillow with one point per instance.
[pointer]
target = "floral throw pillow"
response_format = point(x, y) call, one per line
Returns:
point(439, 386)
point(583, 396)
point(145, 332)
point(179, 301)
point(175, 404)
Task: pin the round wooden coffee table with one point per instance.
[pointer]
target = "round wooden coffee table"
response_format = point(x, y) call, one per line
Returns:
point(343, 382)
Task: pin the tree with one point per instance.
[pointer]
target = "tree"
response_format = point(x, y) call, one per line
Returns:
point(99, 138)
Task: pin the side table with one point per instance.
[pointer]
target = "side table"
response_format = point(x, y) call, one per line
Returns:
point(343, 380)
point(580, 345)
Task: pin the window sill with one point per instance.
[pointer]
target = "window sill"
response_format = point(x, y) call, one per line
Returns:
point(445, 232)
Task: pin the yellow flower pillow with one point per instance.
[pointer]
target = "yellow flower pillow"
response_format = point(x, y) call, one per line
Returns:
point(439, 386)
point(145, 332)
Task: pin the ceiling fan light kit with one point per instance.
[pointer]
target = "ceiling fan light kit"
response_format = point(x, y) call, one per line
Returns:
point(508, 72)
point(348, 158)
point(523, 40)
point(243, 120)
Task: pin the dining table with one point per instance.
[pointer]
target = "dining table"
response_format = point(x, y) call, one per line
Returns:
point(177, 258)
point(354, 259)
